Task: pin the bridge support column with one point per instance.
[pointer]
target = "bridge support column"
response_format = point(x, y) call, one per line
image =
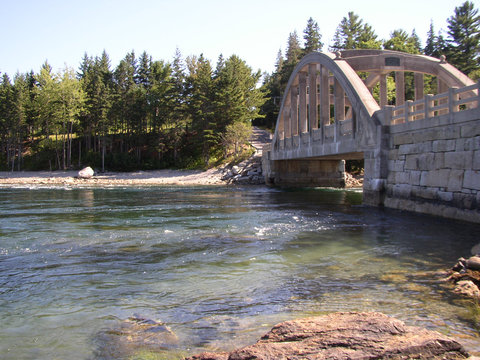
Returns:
point(312, 96)
point(308, 173)
point(302, 106)
point(376, 169)
point(294, 110)
point(399, 88)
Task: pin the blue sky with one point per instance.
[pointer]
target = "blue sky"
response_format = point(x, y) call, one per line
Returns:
point(61, 31)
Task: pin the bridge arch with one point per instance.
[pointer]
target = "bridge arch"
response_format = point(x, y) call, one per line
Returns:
point(339, 108)
point(380, 63)
point(318, 130)
point(423, 155)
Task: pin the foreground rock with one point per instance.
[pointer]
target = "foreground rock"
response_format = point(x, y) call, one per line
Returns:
point(346, 336)
point(132, 335)
point(465, 275)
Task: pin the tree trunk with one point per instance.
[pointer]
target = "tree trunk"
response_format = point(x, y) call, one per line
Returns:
point(79, 153)
point(103, 156)
point(56, 151)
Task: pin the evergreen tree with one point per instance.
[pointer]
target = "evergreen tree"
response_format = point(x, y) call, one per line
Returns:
point(401, 41)
point(237, 97)
point(312, 37)
point(273, 86)
point(7, 115)
point(464, 38)
point(178, 118)
point(431, 43)
point(72, 99)
point(200, 94)
point(352, 33)
point(435, 45)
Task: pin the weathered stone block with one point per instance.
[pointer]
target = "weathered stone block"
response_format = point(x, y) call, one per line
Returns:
point(424, 192)
point(411, 162)
point(472, 180)
point(393, 154)
point(455, 180)
point(443, 145)
point(476, 160)
point(402, 177)
point(439, 161)
point(403, 138)
point(458, 159)
point(435, 178)
point(451, 132)
point(426, 135)
point(420, 161)
point(395, 165)
point(402, 190)
point(464, 144)
point(415, 177)
point(415, 148)
point(463, 201)
point(476, 143)
point(470, 130)
point(445, 196)
point(391, 177)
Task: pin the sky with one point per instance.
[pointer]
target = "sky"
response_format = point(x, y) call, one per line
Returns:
point(62, 31)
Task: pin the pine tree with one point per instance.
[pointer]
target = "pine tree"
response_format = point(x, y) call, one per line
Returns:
point(72, 99)
point(464, 38)
point(401, 41)
point(430, 45)
point(294, 50)
point(312, 37)
point(200, 94)
point(352, 33)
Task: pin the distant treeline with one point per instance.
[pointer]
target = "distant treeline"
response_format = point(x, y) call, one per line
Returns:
point(146, 114)
point(142, 114)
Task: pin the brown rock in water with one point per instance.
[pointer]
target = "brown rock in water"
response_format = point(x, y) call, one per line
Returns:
point(133, 334)
point(346, 336)
point(467, 288)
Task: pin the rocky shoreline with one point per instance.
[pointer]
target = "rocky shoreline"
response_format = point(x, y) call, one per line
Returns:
point(465, 276)
point(248, 172)
point(341, 335)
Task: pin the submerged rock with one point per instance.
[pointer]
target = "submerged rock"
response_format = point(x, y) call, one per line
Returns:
point(347, 335)
point(133, 335)
point(86, 173)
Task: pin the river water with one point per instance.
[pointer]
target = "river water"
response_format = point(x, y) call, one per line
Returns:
point(218, 265)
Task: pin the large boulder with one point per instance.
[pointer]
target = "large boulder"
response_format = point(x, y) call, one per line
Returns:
point(86, 173)
point(347, 335)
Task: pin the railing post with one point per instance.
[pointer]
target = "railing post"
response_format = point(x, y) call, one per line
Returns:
point(452, 100)
point(428, 105)
point(408, 110)
point(336, 129)
point(452, 103)
point(388, 114)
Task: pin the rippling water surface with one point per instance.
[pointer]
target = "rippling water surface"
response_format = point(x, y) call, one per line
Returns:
point(218, 265)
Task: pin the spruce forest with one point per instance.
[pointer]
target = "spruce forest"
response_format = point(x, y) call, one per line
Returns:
point(186, 113)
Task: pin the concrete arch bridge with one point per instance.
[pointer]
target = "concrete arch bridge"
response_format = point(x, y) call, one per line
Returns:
point(421, 154)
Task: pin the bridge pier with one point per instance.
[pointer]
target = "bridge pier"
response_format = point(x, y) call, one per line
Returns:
point(306, 172)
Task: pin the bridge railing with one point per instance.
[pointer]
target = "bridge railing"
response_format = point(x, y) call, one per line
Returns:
point(452, 101)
